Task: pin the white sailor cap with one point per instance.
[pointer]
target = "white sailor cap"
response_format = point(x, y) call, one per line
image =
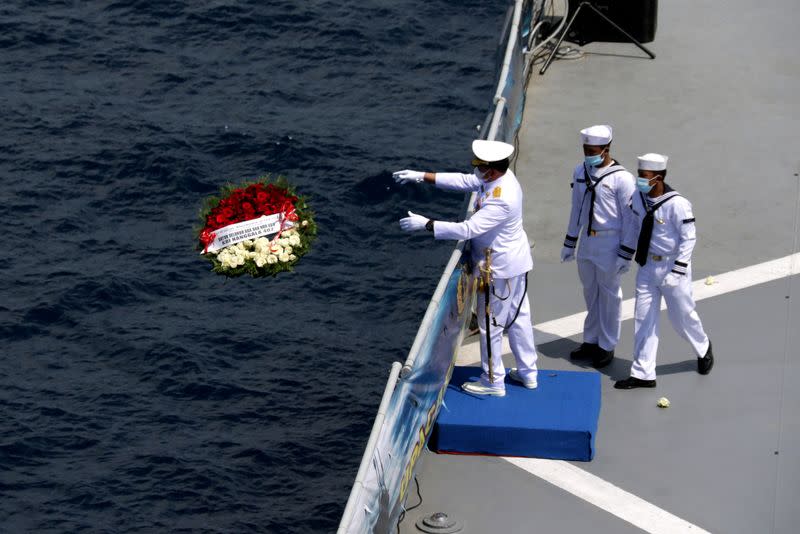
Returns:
point(653, 162)
point(597, 135)
point(491, 151)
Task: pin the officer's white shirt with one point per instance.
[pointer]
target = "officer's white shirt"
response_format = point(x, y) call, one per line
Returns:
point(673, 228)
point(496, 223)
point(612, 197)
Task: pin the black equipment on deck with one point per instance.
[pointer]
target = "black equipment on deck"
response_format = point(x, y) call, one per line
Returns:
point(594, 20)
point(637, 17)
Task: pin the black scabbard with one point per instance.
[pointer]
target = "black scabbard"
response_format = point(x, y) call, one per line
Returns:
point(486, 274)
point(486, 294)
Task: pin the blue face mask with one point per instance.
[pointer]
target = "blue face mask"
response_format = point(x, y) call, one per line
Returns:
point(643, 184)
point(594, 161)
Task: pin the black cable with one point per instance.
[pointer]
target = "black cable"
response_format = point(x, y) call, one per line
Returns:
point(403, 513)
point(506, 327)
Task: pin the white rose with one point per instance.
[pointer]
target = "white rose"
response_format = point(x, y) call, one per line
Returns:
point(272, 258)
point(292, 257)
point(294, 240)
point(287, 250)
point(248, 243)
point(284, 257)
point(276, 249)
point(283, 241)
point(304, 224)
point(260, 261)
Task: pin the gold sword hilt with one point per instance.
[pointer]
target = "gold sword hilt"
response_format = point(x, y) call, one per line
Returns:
point(486, 267)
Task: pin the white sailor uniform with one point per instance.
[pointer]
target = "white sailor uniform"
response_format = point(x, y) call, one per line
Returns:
point(598, 226)
point(670, 251)
point(497, 224)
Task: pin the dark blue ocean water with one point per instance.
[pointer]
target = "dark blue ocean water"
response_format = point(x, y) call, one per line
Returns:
point(138, 391)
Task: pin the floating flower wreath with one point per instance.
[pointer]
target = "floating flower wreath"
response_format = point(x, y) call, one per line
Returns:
point(259, 228)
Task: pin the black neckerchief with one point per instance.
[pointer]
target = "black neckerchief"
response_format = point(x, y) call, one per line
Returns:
point(590, 187)
point(643, 245)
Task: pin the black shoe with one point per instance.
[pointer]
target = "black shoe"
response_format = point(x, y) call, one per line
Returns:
point(705, 363)
point(633, 382)
point(602, 358)
point(585, 352)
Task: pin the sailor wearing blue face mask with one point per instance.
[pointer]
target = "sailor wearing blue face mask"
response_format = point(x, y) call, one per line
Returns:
point(663, 233)
point(497, 226)
point(601, 192)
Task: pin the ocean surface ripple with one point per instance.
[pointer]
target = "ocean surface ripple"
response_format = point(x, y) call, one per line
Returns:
point(138, 391)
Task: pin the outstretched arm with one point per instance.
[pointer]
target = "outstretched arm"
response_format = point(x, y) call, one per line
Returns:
point(486, 218)
point(452, 181)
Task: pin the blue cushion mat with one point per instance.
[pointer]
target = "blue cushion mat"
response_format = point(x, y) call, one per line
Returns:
point(557, 420)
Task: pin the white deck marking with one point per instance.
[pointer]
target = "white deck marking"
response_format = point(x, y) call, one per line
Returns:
point(606, 496)
point(572, 325)
point(589, 487)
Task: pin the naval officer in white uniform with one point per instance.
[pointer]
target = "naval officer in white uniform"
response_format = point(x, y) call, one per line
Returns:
point(496, 224)
point(663, 232)
point(601, 191)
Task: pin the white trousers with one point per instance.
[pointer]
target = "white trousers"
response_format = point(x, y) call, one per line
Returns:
point(507, 295)
point(680, 309)
point(597, 261)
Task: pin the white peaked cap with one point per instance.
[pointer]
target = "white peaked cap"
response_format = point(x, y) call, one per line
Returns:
point(599, 134)
point(491, 151)
point(653, 162)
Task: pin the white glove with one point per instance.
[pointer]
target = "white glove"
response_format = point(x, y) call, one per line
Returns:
point(567, 254)
point(623, 265)
point(407, 176)
point(413, 222)
point(672, 279)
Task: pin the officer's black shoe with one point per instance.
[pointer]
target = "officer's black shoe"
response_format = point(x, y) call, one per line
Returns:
point(585, 352)
point(602, 358)
point(633, 382)
point(705, 363)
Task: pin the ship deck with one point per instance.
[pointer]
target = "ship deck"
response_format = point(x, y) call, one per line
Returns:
point(721, 100)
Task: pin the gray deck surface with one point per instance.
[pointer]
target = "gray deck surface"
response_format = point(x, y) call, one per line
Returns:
point(721, 100)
